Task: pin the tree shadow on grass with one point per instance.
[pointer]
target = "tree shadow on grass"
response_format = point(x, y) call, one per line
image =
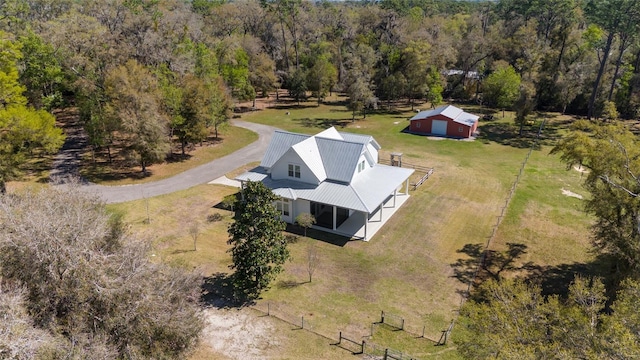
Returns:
point(480, 265)
point(322, 123)
point(117, 171)
point(288, 284)
point(218, 292)
point(293, 106)
point(508, 134)
point(557, 279)
point(505, 134)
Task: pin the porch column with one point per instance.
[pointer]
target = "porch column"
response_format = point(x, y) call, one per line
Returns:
point(366, 220)
point(381, 206)
point(406, 187)
point(242, 189)
point(334, 218)
point(395, 193)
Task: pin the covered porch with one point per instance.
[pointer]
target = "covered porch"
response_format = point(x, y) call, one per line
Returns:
point(363, 226)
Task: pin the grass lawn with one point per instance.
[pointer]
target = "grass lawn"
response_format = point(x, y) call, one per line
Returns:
point(407, 269)
point(231, 138)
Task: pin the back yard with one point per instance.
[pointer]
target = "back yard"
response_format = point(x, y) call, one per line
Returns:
point(415, 266)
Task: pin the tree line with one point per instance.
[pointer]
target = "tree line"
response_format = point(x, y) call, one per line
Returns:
point(146, 73)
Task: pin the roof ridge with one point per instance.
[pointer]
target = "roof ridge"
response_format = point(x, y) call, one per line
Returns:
point(340, 140)
point(360, 198)
point(291, 132)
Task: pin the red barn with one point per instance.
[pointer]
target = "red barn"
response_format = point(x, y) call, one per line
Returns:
point(445, 120)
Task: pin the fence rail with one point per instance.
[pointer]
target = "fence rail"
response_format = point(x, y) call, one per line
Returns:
point(350, 342)
point(512, 191)
point(358, 346)
point(422, 179)
point(392, 320)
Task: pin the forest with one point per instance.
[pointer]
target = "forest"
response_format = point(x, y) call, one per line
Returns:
point(145, 73)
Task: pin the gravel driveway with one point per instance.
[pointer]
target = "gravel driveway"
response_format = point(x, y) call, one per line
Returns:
point(66, 164)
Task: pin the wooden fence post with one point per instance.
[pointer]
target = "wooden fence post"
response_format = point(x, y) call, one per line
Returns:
point(382, 317)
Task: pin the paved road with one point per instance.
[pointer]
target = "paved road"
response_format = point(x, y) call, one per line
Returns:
point(199, 175)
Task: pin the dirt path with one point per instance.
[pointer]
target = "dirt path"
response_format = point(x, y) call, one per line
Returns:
point(67, 162)
point(239, 335)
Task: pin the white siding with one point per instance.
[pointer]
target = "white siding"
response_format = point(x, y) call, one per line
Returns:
point(280, 170)
point(374, 153)
point(310, 155)
point(301, 206)
point(366, 166)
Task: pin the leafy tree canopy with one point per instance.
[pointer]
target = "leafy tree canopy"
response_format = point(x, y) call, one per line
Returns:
point(502, 88)
point(513, 320)
point(258, 245)
point(611, 154)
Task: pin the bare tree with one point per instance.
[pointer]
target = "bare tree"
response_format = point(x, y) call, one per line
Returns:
point(91, 285)
point(313, 259)
point(194, 231)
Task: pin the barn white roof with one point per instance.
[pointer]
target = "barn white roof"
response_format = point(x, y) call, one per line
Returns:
point(454, 113)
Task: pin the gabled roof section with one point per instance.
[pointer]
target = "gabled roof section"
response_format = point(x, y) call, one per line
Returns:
point(456, 114)
point(466, 119)
point(361, 139)
point(310, 155)
point(330, 133)
point(280, 143)
point(340, 158)
point(330, 155)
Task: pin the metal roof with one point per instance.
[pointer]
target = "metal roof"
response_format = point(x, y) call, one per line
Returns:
point(333, 157)
point(330, 133)
point(340, 158)
point(329, 154)
point(280, 143)
point(456, 114)
point(365, 194)
point(374, 185)
point(311, 155)
point(361, 139)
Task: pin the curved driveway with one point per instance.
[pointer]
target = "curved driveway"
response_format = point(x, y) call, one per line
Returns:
point(199, 175)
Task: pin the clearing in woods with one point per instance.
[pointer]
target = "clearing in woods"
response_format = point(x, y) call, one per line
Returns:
point(417, 265)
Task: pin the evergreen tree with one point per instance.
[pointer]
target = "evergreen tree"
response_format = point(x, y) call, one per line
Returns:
point(258, 245)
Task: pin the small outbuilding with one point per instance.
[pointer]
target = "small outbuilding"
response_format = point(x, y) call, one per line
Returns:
point(446, 120)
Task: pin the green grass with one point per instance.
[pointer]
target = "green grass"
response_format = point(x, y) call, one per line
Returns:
point(406, 268)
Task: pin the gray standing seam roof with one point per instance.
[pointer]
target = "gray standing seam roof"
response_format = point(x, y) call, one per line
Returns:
point(340, 158)
point(280, 143)
point(365, 194)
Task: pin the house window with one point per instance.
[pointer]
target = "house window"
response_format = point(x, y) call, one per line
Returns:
point(294, 171)
point(417, 124)
point(361, 166)
point(282, 206)
point(460, 129)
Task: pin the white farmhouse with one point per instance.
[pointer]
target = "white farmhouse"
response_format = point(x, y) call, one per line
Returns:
point(334, 176)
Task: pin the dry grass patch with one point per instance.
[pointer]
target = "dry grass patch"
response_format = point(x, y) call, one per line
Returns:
point(171, 217)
